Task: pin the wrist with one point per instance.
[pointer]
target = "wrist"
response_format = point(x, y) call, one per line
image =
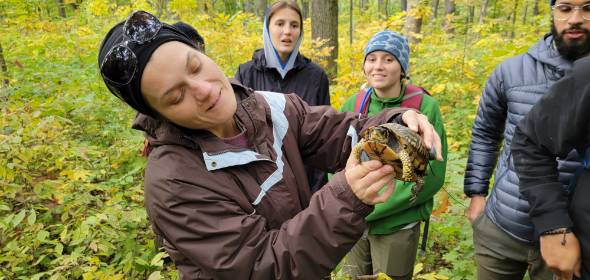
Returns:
point(476, 194)
point(548, 235)
point(556, 231)
point(477, 198)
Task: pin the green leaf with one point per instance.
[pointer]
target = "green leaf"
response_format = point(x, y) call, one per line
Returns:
point(39, 275)
point(63, 236)
point(18, 218)
point(91, 221)
point(141, 262)
point(154, 276)
point(59, 249)
point(42, 235)
point(32, 217)
point(8, 220)
point(39, 260)
point(157, 259)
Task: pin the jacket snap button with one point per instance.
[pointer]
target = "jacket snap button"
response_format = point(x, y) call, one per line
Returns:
point(214, 164)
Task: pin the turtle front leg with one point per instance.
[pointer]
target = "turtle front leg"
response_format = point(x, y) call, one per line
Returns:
point(408, 169)
point(416, 189)
point(358, 149)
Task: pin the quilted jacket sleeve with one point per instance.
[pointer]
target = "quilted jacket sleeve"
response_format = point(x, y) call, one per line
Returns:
point(487, 135)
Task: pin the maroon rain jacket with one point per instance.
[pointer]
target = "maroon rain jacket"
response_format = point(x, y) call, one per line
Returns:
point(226, 212)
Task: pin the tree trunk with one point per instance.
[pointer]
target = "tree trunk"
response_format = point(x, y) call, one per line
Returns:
point(380, 5)
point(404, 5)
point(204, 7)
point(249, 7)
point(324, 25)
point(471, 17)
point(413, 21)
point(350, 23)
point(363, 5)
point(261, 8)
point(449, 13)
point(449, 7)
point(61, 8)
point(435, 8)
point(526, 10)
point(161, 7)
point(305, 8)
point(536, 8)
point(483, 11)
point(514, 18)
point(3, 67)
point(76, 4)
point(495, 14)
point(230, 7)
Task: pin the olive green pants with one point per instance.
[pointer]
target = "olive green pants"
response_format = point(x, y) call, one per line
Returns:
point(392, 254)
point(500, 256)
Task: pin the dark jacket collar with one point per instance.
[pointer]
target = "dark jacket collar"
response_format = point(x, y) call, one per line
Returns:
point(260, 61)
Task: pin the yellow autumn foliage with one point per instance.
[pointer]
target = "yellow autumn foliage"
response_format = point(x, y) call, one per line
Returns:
point(71, 203)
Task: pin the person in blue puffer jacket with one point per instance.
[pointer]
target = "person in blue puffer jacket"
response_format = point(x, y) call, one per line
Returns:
point(503, 234)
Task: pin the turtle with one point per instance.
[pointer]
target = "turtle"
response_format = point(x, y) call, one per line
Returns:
point(398, 146)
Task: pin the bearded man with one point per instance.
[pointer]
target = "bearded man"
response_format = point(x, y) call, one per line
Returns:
point(505, 238)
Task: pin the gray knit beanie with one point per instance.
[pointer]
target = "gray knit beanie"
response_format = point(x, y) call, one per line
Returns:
point(393, 43)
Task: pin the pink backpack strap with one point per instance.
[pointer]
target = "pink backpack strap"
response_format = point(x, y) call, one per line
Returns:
point(362, 100)
point(413, 97)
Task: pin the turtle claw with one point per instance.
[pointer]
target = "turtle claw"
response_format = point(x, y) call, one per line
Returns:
point(413, 198)
point(416, 190)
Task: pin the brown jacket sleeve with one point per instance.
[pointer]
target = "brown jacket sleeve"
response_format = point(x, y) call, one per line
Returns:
point(322, 129)
point(212, 228)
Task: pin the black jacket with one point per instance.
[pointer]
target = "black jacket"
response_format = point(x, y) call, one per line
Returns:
point(558, 123)
point(306, 79)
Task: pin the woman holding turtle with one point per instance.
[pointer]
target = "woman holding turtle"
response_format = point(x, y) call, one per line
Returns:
point(223, 183)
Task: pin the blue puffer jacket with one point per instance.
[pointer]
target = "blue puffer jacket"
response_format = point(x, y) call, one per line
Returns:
point(510, 92)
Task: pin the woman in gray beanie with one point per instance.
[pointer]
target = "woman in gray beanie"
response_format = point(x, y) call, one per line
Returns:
point(223, 183)
point(391, 243)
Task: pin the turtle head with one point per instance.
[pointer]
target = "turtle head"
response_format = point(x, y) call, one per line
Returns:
point(379, 135)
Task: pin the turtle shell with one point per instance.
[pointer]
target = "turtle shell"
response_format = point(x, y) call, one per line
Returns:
point(397, 146)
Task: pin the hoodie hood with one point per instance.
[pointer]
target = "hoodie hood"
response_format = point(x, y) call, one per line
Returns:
point(546, 52)
point(259, 60)
point(273, 60)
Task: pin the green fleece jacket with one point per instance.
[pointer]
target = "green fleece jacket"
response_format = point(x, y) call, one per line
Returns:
point(397, 212)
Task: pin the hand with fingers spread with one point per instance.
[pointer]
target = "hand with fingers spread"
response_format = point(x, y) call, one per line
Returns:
point(367, 179)
point(420, 124)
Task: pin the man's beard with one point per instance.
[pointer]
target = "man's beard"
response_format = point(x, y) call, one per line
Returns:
point(571, 50)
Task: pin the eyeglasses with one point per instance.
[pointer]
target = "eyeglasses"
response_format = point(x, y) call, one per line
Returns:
point(120, 63)
point(564, 11)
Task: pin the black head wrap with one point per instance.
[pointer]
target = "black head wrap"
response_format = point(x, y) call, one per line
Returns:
point(191, 33)
point(131, 92)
